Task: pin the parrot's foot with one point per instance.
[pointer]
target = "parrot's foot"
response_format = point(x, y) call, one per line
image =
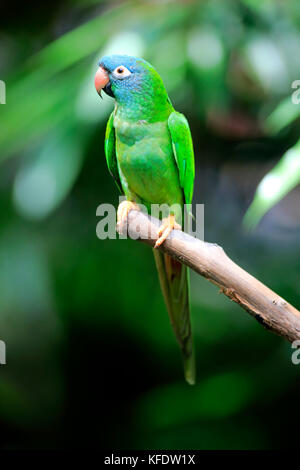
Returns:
point(165, 229)
point(123, 210)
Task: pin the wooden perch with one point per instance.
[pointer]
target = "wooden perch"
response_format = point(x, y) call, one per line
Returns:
point(210, 260)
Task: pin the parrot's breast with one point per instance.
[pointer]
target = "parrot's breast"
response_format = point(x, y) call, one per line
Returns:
point(146, 161)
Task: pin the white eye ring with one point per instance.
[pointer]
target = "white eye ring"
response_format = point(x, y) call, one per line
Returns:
point(121, 72)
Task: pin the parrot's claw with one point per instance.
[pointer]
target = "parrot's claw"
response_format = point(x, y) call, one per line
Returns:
point(165, 229)
point(123, 210)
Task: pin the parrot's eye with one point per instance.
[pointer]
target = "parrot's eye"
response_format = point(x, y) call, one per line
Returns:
point(121, 72)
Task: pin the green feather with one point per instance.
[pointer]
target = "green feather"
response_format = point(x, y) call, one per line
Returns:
point(183, 152)
point(110, 151)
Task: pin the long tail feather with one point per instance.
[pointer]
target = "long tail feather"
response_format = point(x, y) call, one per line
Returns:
point(174, 281)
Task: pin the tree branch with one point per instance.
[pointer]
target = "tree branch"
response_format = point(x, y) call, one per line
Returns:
point(210, 261)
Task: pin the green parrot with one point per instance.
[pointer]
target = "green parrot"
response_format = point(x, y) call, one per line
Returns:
point(149, 153)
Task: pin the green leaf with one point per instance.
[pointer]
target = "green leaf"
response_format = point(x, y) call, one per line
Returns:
point(284, 114)
point(274, 186)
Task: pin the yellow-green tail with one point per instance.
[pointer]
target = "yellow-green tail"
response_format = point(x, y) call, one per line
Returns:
point(174, 281)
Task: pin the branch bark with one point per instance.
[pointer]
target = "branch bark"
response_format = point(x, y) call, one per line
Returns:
point(210, 261)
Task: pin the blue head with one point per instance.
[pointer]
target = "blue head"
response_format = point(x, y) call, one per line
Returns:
point(133, 82)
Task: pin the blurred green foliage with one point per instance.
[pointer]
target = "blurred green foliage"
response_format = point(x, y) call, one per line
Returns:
point(275, 185)
point(91, 359)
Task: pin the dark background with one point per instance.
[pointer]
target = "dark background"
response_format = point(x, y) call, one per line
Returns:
point(91, 358)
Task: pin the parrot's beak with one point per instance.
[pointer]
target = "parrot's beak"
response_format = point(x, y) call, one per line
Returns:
point(101, 79)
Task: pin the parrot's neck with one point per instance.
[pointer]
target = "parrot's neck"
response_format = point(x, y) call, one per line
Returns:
point(143, 105)
point(142, 113)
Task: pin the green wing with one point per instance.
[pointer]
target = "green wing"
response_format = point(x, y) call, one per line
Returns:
point(184, 153)
point(110, 152)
